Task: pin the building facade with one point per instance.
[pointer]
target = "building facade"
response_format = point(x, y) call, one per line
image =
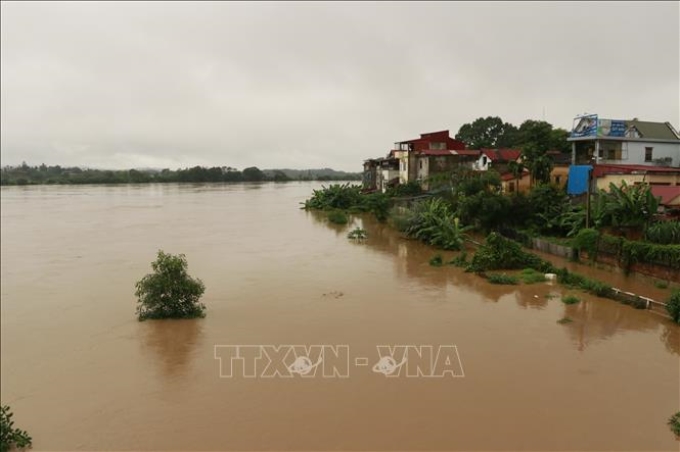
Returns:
point(630, 142)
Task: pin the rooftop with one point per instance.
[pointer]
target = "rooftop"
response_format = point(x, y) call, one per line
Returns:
point(667, 193)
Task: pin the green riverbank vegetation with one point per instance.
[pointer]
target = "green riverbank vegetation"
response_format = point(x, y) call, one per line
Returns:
point(623, 225)
point(10, 436)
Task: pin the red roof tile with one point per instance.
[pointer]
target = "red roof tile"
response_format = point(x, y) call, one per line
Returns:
point(667, 193)
point(505, 155)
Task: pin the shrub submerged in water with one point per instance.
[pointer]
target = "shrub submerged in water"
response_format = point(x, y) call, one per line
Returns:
point(11, 437)
point(337, 217)
point(169, 292)
point(673, 306)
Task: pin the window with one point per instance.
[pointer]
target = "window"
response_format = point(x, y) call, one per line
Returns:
point(511, 187)
point(557, 179)
point(648, 154)
point(600, 153)
point(420, 163)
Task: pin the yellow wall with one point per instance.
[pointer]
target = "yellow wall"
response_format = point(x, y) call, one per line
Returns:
point(659, 178)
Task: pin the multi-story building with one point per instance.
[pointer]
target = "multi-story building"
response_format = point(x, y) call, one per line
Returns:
point(629, 142)
point(434, 144)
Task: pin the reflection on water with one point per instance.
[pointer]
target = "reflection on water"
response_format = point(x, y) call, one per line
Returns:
point(82, 373)
point(171, 343)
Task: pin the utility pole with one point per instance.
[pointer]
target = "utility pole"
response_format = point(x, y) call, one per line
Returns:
point(590, 173)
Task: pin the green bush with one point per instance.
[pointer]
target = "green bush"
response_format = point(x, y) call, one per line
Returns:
point(437, 261)
point(628, 252)
point(499, 253)
point(403, 190)
point(501, 278)
point(664, 233)
point(169, 292)
point(460, 260)
point(673, 306)
point(335, 196)
point(564, 320)
point(357, 234)
point(570, 299)
point(433, 222)
point(11, 437)
point(337, 217)
point(674, 423)
point(661, 284)
point(596, 287)
point(586, 240)
point(349, 198)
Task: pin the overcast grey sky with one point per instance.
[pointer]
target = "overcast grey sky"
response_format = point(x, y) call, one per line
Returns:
point(302, 85)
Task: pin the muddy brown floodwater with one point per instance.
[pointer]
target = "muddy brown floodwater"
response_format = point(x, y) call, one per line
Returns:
point(81, 373)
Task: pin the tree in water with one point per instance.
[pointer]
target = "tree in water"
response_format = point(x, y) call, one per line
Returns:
point(169, 292)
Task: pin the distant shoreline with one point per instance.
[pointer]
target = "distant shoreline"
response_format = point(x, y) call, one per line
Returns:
point(56, 175)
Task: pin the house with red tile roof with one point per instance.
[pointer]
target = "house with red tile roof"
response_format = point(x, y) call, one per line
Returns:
point(419, 158)
point(497, 159)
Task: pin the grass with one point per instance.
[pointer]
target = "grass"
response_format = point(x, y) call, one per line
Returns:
point(531, 276)
point(661, 284)
point(460, 260)
point(437, 261)
point(570, 299)
point(564, 320)
point(501, 278)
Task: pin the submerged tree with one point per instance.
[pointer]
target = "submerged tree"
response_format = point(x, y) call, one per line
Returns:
point(169, 292)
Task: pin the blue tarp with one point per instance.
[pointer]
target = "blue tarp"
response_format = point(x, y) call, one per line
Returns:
point(577, 184)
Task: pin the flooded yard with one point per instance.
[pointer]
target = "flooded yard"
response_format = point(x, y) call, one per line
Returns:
point(81, 373)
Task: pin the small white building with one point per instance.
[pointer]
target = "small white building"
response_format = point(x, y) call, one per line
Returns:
point(489, 158)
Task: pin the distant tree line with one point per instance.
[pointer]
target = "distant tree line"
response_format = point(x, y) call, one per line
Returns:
point(43, 174)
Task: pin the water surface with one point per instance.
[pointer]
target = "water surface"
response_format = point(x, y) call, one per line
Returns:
point(82, 374)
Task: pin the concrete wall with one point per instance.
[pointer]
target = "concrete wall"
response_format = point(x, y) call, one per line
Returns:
point(386, 175)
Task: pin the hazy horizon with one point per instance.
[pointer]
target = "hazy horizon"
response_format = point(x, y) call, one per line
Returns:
point(314, 85)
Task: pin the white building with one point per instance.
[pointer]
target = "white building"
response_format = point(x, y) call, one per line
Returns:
point(627, 142)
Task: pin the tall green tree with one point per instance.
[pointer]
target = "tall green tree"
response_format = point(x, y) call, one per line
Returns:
point(489, 132)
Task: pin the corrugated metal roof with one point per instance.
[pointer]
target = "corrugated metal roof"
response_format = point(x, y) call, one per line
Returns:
point(654, 130)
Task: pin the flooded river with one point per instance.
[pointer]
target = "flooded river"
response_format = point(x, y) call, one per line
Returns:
point(81, 373)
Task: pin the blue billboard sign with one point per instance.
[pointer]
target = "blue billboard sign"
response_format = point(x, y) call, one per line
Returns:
point(592, 126)
point(585, 126)
point(611, 128)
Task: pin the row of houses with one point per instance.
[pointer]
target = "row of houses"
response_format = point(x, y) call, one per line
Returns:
point(612, 150)
point(421, 159)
